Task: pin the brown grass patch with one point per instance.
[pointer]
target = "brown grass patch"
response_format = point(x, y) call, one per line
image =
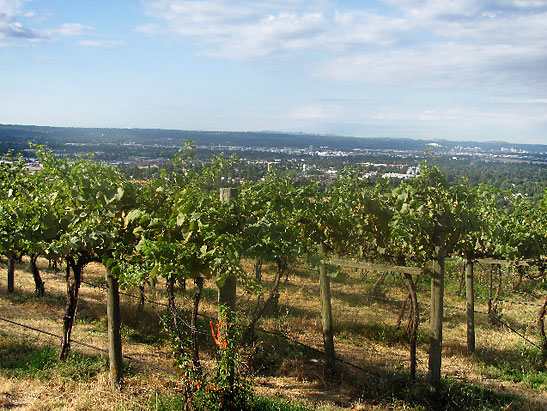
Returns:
point(366, 335)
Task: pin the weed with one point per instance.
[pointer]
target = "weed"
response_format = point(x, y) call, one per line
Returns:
point(228, 387)
point(167, 402)
point(81, 367)
point(392, 390)
point(24, 359)
point(276, 404)
point(514, 365)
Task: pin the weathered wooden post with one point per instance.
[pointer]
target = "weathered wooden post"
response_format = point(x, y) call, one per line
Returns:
point(11, 275)
point(541, 329)
point(470, 305)
point(490, 283)
point(326, 314)
point(227, 292)
point(437, 297)
point(114, 335)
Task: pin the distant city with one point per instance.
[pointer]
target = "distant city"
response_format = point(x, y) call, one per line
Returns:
point(140, 153)
point(143, 146)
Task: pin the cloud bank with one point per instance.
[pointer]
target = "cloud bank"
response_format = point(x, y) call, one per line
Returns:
point(434, 43)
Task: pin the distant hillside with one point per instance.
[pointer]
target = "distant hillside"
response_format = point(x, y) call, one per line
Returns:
point(16, 138)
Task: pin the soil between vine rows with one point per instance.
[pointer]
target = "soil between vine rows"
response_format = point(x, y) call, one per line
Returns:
point(365, 336)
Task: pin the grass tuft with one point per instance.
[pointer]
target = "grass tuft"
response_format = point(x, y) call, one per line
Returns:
point(394, 391)
point(169, 402)
point(24, 359)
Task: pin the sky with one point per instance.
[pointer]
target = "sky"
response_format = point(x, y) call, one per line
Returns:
point(433, 69)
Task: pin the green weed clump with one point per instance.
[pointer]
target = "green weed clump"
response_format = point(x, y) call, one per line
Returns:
point(394, 391)
point(514, 365)
point(177, 403)
point(21, 358)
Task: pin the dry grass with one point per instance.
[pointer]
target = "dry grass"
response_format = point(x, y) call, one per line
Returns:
point(366, 335)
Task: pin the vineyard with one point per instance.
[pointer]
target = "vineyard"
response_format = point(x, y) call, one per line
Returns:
point(387, 295)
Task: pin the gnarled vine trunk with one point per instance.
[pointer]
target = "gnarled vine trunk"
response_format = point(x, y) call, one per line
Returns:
point(114, 330)
point(194, 323)
point(273, 298)
point(520, 275)
point(72, 288)
point(38, 283)
point(493, 310)
point(413, 323)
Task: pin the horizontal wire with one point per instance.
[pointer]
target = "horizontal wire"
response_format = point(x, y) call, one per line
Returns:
point(90, 346)
point(319, 351)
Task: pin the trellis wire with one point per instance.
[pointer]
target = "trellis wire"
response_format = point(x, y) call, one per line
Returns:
point(314, 349)
point(90, 346)
point(276, 333)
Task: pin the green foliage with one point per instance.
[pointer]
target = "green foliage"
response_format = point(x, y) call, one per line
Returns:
point(363, 216)
point(181, 226)
point(228, 387)
point(76, 208)
point(20, 211)
point(269, 211)
point(175, 223)
point(417, 204)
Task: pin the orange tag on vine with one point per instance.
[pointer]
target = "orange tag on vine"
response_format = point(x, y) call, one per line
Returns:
point(217, 334)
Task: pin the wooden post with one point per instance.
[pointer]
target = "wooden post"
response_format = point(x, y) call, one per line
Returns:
point(541, 329)
point(437, 297)
point(470, 306)
point(11, 275)
point(227, 293)
point(114, 336)
point(326, 315)
point(490, 283)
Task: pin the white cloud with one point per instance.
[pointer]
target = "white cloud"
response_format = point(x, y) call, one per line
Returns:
point(315, 112)
point(250, 29)
point(11, 25)
point(149, 29)
point(101, 43)
point(45, 58)
point(16, 22)
point(93, 39)
point(73, 29)
point(487, 44)
point(514, 100)
point(443, 65)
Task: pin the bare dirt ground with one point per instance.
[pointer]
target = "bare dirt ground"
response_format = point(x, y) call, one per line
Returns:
point(366, 336)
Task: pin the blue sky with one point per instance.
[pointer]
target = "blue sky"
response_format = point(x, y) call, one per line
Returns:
point(449, 69)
